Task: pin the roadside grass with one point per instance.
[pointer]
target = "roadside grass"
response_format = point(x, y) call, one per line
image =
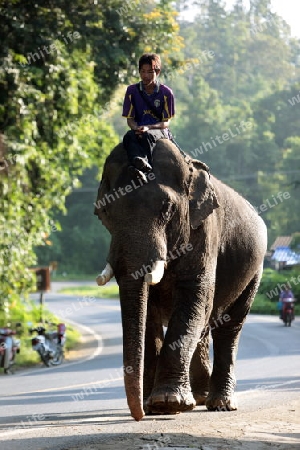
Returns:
point(108, 291)
point(72, 277)
point(264, 303)
point(261, 305)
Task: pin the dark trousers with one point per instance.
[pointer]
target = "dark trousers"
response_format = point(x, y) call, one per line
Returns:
point(142, 145)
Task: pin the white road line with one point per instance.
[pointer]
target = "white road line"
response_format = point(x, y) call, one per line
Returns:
point(19, 431)
point(97, 337)
point(265, 387)
point(64, 388)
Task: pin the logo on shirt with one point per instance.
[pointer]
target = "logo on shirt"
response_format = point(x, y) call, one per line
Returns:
point(157, 103)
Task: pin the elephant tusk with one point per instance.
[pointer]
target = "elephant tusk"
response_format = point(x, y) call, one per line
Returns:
point(106, 274)
point(156, 273)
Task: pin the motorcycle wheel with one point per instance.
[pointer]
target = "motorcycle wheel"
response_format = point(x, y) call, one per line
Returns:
point(58, 357)
point(45, 358)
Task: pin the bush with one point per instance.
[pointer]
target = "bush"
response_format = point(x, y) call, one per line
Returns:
point(262, 305)
point(272, 283)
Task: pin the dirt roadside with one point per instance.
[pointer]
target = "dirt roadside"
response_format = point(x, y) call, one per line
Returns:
point(268, 420)
point(262, 426)
point(263, 429)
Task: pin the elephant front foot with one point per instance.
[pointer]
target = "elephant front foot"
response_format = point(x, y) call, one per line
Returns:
point(219, 402)
point(166, 400)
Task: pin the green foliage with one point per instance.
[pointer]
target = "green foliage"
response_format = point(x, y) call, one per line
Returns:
point(59, 68)
point(274, 281)
point(271, 284)
point(238, 110)
point(263, 305)
point(20, 311)
point(277, 137)
point(63, 73)
point(234, 110)
point(82, 244)
point(295, 244)
point(47, 165)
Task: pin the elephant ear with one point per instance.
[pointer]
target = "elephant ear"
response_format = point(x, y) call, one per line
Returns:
point(202, 196)
point(100, 204)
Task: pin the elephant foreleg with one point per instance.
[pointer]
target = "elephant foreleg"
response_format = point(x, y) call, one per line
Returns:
point(172, 390)
point(153, 343)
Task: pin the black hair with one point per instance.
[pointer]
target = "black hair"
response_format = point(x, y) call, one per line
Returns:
point(150, 58)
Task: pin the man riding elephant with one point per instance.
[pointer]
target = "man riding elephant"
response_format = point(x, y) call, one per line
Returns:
point(148, 107)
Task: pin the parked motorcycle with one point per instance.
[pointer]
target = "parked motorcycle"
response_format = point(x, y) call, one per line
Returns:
point(49, 344)
point(9, 347)
point(288, 311)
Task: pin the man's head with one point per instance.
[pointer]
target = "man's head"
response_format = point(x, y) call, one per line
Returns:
point(151, 59)
point(149, 68)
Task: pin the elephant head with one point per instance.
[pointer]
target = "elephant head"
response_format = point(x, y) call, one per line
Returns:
point(147, 222)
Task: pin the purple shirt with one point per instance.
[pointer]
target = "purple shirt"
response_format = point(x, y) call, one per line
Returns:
point(286, 294)
point(136, 107)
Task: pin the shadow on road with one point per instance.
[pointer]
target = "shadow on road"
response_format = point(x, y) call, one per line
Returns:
point(163, 441)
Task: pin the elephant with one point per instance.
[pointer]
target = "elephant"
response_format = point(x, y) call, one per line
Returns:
point(187, 252)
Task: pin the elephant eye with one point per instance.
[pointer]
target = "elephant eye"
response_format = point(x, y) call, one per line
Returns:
point(168, 210)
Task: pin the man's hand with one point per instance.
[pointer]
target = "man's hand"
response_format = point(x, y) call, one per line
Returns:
point(142, 129)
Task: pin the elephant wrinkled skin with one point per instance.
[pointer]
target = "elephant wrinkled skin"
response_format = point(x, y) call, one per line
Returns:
point(208, 244)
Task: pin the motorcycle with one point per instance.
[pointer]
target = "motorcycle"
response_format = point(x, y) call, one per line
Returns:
point(9, 347)
point(49, 344)
point(288, 311)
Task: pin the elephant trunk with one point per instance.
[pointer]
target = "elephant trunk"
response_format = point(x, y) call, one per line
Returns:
point(133, 298)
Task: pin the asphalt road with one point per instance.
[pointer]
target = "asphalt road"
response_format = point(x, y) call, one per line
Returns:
point(84, 401)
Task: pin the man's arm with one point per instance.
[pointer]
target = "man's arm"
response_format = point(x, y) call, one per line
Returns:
point(132, 124)
point(155, 126)
point(159, 125)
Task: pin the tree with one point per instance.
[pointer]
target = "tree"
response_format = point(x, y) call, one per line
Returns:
point(239, 110)
point(60, 64)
